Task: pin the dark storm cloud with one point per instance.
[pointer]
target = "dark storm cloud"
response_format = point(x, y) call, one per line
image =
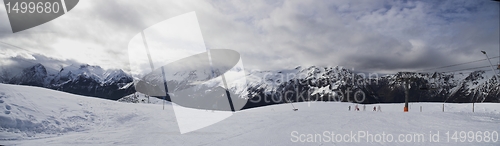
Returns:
point(404, 36)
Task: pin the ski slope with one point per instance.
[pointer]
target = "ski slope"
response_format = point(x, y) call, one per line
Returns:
point(38, 116)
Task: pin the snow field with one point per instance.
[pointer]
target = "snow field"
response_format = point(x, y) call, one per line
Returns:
point(34, 116)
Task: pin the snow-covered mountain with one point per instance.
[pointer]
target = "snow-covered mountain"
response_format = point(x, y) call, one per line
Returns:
point(78, 79)
point(340, 84)
point(270, 87)
point(196, 88)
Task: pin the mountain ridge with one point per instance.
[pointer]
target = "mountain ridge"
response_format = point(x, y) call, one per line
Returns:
point(316, 83)
point(78, 79)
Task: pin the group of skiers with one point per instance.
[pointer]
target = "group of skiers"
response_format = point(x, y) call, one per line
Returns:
point(375, 108)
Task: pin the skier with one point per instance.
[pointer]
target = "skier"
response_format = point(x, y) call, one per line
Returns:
point(356, 108)
point(349, 108)
point(379, 109)
point(374, 108)
point(364, 107)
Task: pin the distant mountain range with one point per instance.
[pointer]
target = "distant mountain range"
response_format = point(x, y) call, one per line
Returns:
point(340, 84)
point(77, 79)
point(273, 87)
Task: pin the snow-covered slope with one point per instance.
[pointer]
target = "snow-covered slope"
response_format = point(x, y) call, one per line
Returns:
point(138, 97)
point(34, 116)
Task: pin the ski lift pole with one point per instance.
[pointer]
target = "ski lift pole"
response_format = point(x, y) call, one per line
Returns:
point(443, 107)
point(406, 96)
point(289, 101)
point(473, 106)
point(294, 109)
point(295, 85)
point(406, 80)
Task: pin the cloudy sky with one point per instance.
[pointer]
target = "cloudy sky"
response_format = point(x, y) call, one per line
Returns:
point(369, 35)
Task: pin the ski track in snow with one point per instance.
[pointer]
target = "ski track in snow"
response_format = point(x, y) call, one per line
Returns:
point(57, 118)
